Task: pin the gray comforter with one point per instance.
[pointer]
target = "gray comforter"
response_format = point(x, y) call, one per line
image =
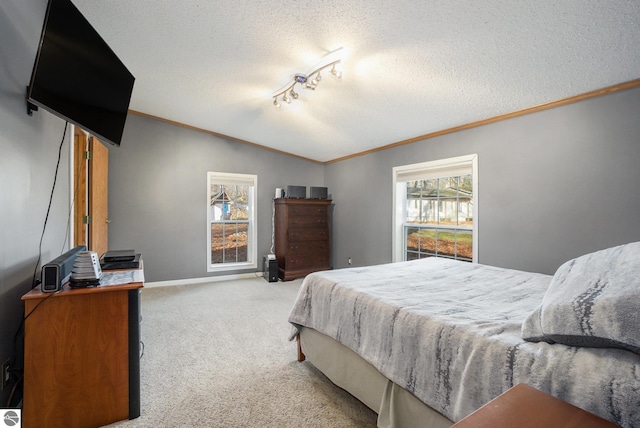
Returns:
point(450, 333)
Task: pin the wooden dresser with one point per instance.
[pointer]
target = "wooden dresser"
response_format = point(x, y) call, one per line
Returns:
point(302, 236)
point(82, 356)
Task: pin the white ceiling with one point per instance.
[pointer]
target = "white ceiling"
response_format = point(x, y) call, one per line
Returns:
point(410, 67)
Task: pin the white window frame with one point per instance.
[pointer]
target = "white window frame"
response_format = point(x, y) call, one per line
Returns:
point(426, 170)
point(252, 240)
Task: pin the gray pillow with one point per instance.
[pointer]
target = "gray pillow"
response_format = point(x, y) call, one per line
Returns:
point(593, 301)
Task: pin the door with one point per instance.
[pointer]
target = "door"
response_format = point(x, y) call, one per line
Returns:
point(91, 166)
point(98, 196)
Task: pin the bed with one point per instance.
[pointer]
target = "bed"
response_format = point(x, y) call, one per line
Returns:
point(427, 342)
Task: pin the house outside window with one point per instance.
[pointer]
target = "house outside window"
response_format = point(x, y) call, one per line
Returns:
point(435, 209)
point(231, 215)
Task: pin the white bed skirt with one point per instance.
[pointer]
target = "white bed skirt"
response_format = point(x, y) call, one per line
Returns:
point(396, 408)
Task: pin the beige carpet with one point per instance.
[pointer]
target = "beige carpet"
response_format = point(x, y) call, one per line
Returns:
point(217, 355)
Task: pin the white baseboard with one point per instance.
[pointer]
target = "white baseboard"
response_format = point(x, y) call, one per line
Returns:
point(203, 280)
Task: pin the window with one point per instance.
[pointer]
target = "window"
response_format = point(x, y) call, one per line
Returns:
point(435, 209)
point(231, 215)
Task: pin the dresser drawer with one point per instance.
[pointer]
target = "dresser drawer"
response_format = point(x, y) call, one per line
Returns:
point(309, 261)
point(310, 234)
point(308, 210)
point(301, 248)
point(309, 221)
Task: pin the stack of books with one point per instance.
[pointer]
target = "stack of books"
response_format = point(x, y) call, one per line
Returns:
point(86, 271)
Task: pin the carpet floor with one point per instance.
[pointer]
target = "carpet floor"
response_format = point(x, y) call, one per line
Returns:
point(218, 355)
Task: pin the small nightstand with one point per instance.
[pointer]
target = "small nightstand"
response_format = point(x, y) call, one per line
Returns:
point(525, 407)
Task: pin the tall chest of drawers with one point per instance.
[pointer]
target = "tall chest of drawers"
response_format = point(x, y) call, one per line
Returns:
point(302, 236)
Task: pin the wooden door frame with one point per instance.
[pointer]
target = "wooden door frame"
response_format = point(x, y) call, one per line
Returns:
point(78, 187)
point(92, 232)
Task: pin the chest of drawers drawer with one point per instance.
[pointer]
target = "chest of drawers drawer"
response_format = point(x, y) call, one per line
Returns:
point(314, 262)
point(308, 248)
point(308, 210)
point(304, 235)
point(309, 221)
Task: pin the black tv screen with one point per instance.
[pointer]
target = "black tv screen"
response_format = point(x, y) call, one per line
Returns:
point(78, 77)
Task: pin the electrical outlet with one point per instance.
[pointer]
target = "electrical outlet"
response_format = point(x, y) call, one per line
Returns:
point(349, 261)
point(6, 373)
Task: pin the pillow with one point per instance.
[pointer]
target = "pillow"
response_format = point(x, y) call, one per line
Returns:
point(593, 301)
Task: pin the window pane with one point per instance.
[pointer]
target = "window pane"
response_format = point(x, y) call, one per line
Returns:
point(430, 210)
point(220, 204)
point(430, 187)
point(446, 243)
point(412, 239)
point(238, 242)
point(465, 213)
point(229, 242)
point(447, 200)
point(239, 202)
point(241, 210)
point(465, 201)
point(412, 256)
point(464, 245)
point(412, 207)
point(466, 185)
point(217, 243)
point(428, 241)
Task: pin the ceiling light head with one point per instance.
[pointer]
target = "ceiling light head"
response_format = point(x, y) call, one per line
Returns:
point(336, 70)
point(275, 102)
point(293, 94)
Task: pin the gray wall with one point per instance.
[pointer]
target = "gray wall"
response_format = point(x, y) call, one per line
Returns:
point(28, 154)
point(158, 199)
point(553, 185)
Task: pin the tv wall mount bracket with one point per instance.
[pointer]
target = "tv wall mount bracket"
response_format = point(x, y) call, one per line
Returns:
point(31, 107)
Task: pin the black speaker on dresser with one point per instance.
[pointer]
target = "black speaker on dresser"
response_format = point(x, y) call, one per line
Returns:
point(297, 192)
point(318, 193)
point(58, 271)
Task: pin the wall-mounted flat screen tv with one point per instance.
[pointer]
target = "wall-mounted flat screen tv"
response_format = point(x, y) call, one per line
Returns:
point(78, 77)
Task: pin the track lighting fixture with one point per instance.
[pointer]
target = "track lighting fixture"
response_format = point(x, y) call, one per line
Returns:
point(307, 81)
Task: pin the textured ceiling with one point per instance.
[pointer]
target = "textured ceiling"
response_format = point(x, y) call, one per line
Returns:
point(410, 67)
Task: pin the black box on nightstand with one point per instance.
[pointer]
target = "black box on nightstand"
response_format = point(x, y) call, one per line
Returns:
point(270, 268)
